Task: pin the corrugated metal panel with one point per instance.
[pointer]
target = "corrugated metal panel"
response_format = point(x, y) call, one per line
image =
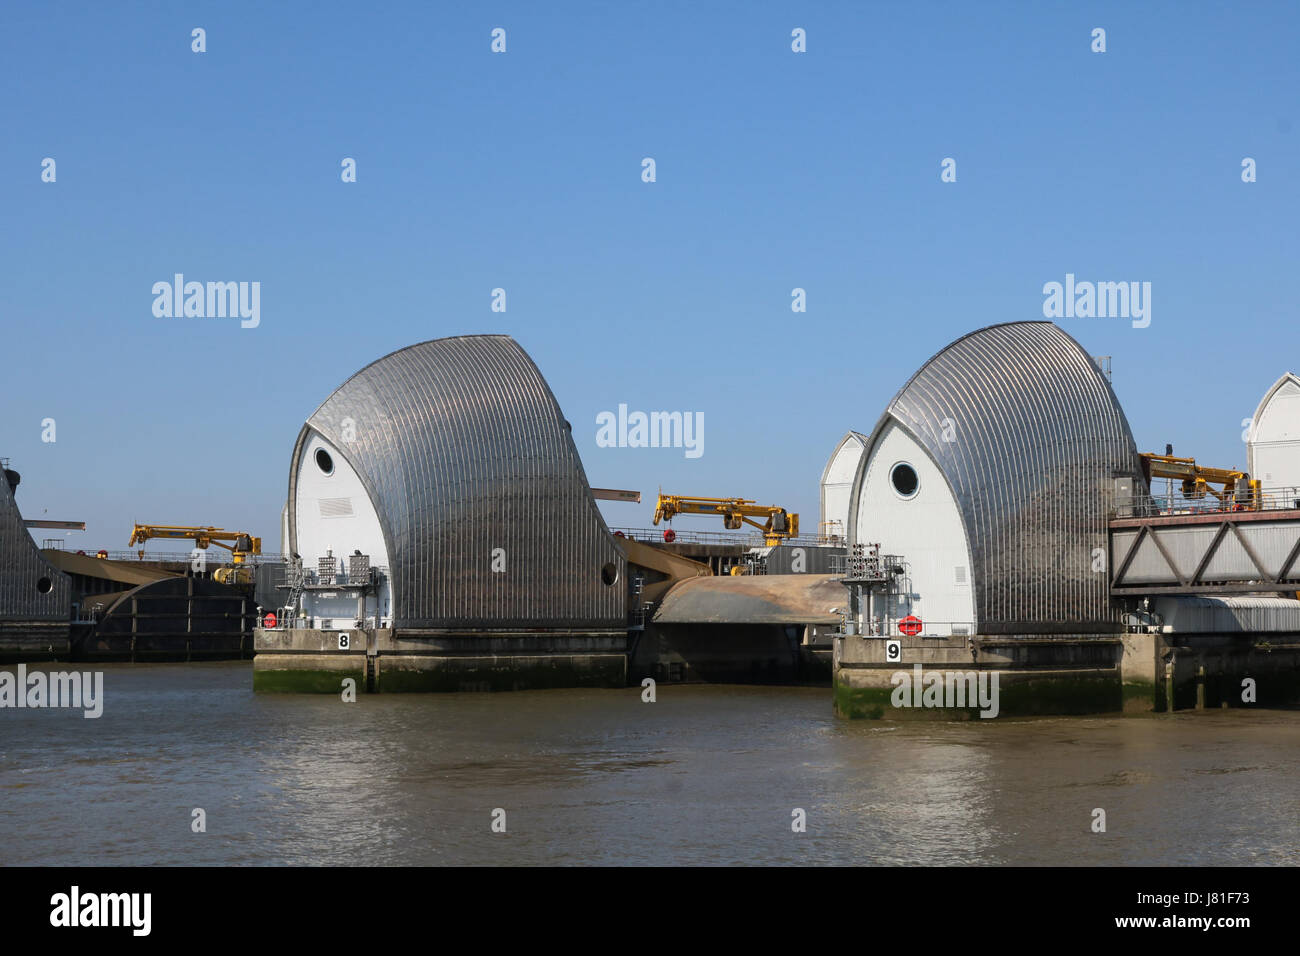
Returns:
point(22, 568)
point(800, 559)
point(1189, 548)
point(1148, 566)
point(464, 449)
point(1037, 440)
point(269, 576)
point(1229, 615)
point(1271, 543)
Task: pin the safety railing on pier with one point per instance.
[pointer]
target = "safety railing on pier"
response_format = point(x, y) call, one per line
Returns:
point(1176, 503)
point(212, 557)
point(297, 576)
point(738, 538)
point(930, 630)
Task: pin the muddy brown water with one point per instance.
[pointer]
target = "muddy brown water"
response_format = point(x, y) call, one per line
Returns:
point(704, 775)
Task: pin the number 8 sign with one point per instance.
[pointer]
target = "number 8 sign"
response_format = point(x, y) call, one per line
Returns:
point(345, 640)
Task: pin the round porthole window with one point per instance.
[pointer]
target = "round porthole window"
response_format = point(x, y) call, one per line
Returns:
point(609, 574)
point(903, 478)
point(324, 462)
point(45, 585)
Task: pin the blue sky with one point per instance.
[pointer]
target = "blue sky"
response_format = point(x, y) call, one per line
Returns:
point(522, 170)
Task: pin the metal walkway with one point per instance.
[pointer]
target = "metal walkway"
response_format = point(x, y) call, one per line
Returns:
point(1203, 553)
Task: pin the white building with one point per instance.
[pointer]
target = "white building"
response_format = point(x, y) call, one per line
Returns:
point(991, 474)
point(837, 483)
point(438, 490)
point(1273, 439)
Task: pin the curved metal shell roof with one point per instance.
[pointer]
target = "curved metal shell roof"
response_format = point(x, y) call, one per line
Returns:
point(1276, 387)
point(1037, 439)
point(464, 450)
point(756, 599)
point(850, 438)
point(1252, 433)
point(23, 568)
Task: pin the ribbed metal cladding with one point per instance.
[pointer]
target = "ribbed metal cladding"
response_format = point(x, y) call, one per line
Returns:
point(463, 450)
point(22, 568)
point(1037, 438)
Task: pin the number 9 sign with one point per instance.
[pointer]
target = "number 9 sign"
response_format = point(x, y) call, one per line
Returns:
point(893, 651)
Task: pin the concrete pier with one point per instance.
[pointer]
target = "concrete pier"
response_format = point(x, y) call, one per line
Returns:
point(28, 641)
point(1130, 673)
point(381, 661)
point(1035, 676)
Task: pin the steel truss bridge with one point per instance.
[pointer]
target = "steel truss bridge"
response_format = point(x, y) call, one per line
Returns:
point(1225, 551)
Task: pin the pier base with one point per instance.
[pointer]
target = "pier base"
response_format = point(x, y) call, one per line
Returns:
point(382, 661)
point(28, 641)
point(1121, 673)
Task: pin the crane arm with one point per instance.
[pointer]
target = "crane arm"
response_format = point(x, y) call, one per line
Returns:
point(239, 543)
point(1197, 479)
point(778, 524)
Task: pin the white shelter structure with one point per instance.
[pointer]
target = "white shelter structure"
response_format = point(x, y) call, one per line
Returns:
point(1273, 439)
point(991, 475)
point(837, 483)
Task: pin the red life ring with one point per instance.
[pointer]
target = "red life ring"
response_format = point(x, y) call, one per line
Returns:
point(670, 536)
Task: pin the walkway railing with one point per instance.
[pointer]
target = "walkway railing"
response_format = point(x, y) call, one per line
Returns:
point(213, 557)
point(740, 539)
point(1147, 506)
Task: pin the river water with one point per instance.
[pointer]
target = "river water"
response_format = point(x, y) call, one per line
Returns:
point(704, 775)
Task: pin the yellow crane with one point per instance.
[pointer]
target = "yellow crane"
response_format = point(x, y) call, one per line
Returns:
point(779, 525)
point(1235, 487)
point(240, 544)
